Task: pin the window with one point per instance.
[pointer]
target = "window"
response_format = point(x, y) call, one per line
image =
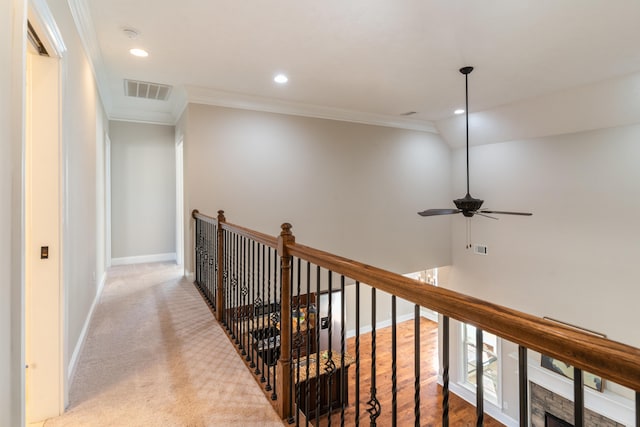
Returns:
point(490, 362)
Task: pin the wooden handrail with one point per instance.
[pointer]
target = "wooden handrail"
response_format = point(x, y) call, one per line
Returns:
point(600, 356)
point(265, 239)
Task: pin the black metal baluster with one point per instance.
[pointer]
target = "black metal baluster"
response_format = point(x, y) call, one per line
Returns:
point(330, 366)
point(269, 353)
point(261, 337)
point(246, 309)
point(416, 367)
point(394, 355)
point(227, 278)
point(524, 385)
point(373, 403)
point(479, 379)
point(252, 313)
point(318, 343)
point(215, 264)
point(578, 398)
point(357, 354)
point(278, 298)
point(210, 252)
point(236, 287)
point(309, 338)
point(242, 295)
point(343, 378)
point(297, 342)
point(445, 371)
point(197, 251)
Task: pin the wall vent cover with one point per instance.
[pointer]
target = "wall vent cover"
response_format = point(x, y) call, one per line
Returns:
point(480, 250)
point(146, 90)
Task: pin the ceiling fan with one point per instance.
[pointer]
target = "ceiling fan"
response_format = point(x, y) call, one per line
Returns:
point(468, 205)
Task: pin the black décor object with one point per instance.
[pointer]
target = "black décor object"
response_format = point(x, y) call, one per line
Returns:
point(468, 205)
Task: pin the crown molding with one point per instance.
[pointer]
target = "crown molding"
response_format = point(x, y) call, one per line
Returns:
point(200, 95)
point(142, 116)
point(87, 33)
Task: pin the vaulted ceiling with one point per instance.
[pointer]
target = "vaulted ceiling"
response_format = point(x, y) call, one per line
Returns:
point(541, 67)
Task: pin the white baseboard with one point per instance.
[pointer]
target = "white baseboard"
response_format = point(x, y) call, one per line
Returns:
point(190, 275)
point(143, 259)
point(83, 334)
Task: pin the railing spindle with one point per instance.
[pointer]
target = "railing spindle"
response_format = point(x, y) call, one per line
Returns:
point(262, 312)
point(416, 367)
point(343, 324)
point(309, 338)
point(220, 272)
point(357, 397)
point(445, 371)
point(479, 379)
point(524, 385)
point(578, 398)
point(318, 323)
point(394, 355)
point(329, 365)
point(285, 325)
point(252, 313)
point(373, 403)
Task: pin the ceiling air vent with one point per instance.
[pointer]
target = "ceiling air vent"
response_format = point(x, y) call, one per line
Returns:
point(146, 90)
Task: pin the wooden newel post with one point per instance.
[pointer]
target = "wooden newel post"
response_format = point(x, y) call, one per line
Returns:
point(220, 272)
point(283, 369)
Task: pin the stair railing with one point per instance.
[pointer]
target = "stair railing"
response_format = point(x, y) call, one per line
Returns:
point(257, 285)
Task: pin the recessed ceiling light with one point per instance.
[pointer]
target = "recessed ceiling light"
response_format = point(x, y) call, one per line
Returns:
point(139, 52)
point(281, 78)
point(458, 111)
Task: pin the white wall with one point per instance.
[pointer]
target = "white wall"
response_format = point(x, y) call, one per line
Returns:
point(575, 259)
point(347, 188)
point(143, 189)
point(82, 117)
point(12, 56)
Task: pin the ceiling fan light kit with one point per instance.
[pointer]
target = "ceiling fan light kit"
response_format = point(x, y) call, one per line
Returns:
point(468, 205)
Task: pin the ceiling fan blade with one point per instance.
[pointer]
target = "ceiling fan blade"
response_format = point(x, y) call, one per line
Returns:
point(486, 216)
point(434, 212)
point(506, 213)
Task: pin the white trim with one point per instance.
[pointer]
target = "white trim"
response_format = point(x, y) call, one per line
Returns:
point(143, 259)
point(489, 408)
point(141, 116)
point(83, 334)
point(199, 95)
point(42, 20)
point(107, 190)
point(190, 275)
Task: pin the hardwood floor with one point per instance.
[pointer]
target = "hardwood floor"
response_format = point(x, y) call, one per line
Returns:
point(460, 412)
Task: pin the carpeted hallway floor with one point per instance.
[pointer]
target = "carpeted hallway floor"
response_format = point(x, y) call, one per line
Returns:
point(155, 356)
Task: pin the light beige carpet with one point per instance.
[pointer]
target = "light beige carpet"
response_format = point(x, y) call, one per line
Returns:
point(155, 356)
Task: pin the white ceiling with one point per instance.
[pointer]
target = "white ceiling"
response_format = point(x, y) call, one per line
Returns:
point(541, 66)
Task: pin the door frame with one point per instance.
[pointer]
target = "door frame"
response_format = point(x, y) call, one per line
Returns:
point(41, 19)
